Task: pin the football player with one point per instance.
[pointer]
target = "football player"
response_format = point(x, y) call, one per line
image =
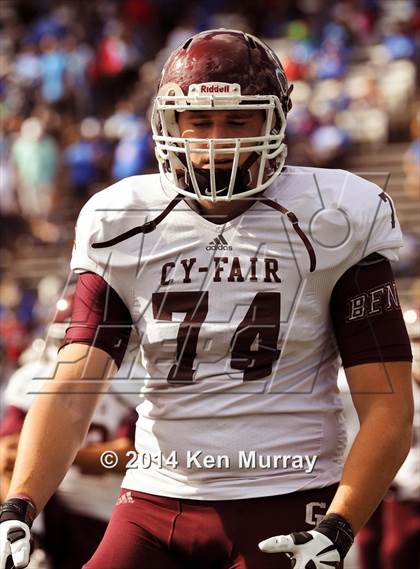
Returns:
point(246, 280)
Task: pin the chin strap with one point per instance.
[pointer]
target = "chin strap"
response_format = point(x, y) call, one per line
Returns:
point(295, 222)
point(145, 228)
point(222, 178)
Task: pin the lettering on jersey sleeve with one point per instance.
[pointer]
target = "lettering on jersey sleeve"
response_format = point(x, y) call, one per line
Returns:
point(366, 315)
point(373, 302)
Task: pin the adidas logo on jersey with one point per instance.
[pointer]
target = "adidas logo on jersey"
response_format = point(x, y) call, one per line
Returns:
point(219, 244)
point(125, 498)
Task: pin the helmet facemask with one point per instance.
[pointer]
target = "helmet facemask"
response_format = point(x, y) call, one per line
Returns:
point(267, 151)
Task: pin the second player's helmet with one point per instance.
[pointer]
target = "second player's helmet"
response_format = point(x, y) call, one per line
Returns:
point(221, 70)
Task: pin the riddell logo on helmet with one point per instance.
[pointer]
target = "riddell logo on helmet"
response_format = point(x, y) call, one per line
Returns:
point(214, 88)
point(200, 89)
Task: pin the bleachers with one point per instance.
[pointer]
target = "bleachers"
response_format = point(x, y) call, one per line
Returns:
point(384, 167)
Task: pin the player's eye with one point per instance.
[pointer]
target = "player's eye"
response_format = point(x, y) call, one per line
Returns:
point(198, 124)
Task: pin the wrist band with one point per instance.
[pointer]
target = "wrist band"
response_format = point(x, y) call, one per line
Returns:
point(20, 508)
point(339, 531)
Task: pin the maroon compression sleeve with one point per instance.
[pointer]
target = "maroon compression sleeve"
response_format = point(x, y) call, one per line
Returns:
point(366, 315)
point(99, 318)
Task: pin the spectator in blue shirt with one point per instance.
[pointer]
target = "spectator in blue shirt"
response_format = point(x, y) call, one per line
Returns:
point(53, 70)
point(132, 153)
point(81, 159)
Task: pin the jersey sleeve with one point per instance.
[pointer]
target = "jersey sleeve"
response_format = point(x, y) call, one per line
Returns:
point(374, 219)
point(366, 315)
point(99, 318)
point(88, 225)
point(102, 211)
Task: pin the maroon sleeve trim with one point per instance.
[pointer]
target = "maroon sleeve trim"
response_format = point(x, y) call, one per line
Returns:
point(99, 318)
point(366, 315)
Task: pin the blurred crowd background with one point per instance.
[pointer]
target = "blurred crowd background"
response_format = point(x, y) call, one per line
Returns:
point(76, 83)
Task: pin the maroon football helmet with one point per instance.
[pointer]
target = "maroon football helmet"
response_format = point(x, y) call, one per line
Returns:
point(221, 70)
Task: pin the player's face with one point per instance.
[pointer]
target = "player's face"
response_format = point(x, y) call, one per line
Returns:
point(216, 125)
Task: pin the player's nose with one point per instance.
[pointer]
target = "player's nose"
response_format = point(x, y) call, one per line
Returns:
point(219, 132)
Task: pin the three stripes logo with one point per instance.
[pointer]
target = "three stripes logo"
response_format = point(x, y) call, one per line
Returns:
point(219, 243)
point(125, 498)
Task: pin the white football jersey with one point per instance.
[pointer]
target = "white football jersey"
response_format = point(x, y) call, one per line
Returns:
point(240, 398)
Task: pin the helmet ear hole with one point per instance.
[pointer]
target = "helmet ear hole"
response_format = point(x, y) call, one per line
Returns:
point(187, 43)
point(287, 101)
point(251, 42)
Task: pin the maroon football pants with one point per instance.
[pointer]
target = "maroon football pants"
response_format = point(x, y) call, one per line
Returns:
point(155, 532)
